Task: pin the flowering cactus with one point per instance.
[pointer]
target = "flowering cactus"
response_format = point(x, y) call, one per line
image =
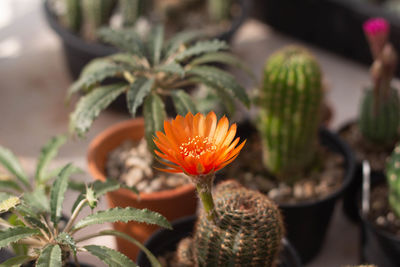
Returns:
point(380, 108)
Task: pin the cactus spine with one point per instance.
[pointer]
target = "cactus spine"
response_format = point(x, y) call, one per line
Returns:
point(290, 103)
point(380, 109)
point(219, 10)
point(393, 180)
point(248, 232)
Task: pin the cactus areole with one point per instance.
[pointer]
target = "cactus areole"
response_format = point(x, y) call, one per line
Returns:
point(290, 104)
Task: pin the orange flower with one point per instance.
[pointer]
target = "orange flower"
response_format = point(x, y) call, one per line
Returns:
point(197, 145)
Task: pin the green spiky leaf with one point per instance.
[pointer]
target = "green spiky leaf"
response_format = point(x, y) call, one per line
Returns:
point(224, 58)
point(154, 115)
point(127, 59)
point(137, 91)
point(10, 162)
point(110, 257)
point(38, 201)
point(56, 172)
point(9, 203)
point(172, 68)
point(50, 257)
point(125, 39)
point(34, 221)
point(183, 102)
point(48, 152)
point(90, 106)
point(123, 215)
point(96, 71)
point(10, 185)
point(15, 234)
point(216, 78)
point(155, 44)
point(173, 44)
point(66, 239)
point(57, 192)
point(153, 260)
point(200, 48)
point(16, 261)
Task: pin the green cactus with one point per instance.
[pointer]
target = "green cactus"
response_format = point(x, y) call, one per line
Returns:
point(73, 17)
point(96, 13)
point(248, 233)
point(380, 126)
point(290, 102)
point(393, 180)
point(219, 10)
point(131, 11)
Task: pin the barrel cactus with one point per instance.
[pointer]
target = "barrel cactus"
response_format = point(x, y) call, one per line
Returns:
point(248, 232)
point(393, 180)
point(290, 101)
point(96, 13)
point(380, 108)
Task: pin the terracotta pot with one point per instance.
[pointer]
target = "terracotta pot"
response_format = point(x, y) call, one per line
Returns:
point(172, 204)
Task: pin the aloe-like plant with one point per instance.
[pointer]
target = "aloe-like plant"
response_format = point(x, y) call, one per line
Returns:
point(150, 70)
point(35, 227)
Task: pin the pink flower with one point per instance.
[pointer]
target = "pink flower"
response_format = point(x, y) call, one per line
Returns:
point(377, 32)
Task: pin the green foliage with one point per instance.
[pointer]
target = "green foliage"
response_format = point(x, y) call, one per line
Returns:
point(393, 180)
point(290, 101)
point(149, 71)
point(248, 231)
point(34, 225)
point(380, 124)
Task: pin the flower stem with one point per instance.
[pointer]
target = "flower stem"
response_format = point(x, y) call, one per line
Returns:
point(203, 186)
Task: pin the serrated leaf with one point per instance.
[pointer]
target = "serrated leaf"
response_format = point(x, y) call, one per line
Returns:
point(179, 39)
point(155, 44)
point(154, 115)
point(125, 39)
point(90, 106)
point(48, 152)
point(14, 234)
point(10, 162)
point(36, 222)
point(57, 193)
point(224, 58)
point(56, 172)
point(123, 215)
point(153, 260)
point(96, 71)
point(37, 200)
point(137, 91)
point(127, 59)
point(50, 257)
point(200, 48)
point(9, 203)
point(183, 102)
point(16, 261)
point(66, 239)
point(172, 68)
point(10, 185)
point(110, 257)
point(216, 78)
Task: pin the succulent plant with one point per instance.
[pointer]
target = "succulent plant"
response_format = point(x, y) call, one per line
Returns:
point(380, 109)
point(393, 180)
point(35, 227)
point(219, 10)
point(290, 101)
point(248, 232)
point(151, 70)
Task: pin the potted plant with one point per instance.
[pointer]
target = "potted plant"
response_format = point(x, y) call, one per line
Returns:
point(150, 72)
point(35, 223)
point(373, 136)
point(76, 21)
point(380, 219)
point(235, 226)
point(303, 169)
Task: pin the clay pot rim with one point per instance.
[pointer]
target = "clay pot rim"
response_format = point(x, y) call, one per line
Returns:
point(99, 174)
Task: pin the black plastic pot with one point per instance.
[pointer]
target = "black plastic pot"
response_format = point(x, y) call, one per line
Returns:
point(167, 240)
point(378, 246)
point(332, 24)
point(78, 52)
point(307, 222)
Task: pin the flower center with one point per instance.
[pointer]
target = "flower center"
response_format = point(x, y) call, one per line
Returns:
point(197, 146)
